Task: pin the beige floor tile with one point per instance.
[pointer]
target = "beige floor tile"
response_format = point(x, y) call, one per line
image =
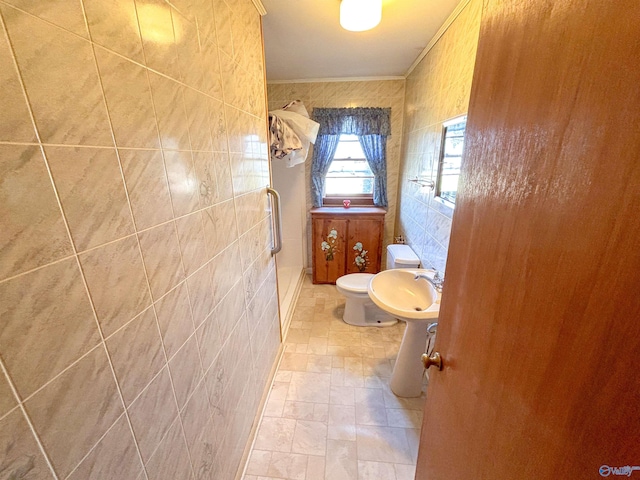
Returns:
point(337, 377)
point(315, 468)
point(319, 330)
point(298, 410)
point(306, 302)
point(342, 415)
point(369, 397)
point(386, 444)
point(342, 432)
point(310, 438)
point(342, 395)
point(379, 352)
point(377, 367)
point(319, 363)
point(282, 377)
point(341, 462)
point(298, 335)
point(295, 362)
point(398, 417)
point(405, 472)
point(275, 434)
point(258, 463)
point(366, 415)
point(352, 380)
point(309, 387)
point(373, 382)
point(413, 438)
point(321, 412)
point(375, 470)
point(276, 401)
point(391, 401)
point(291, 466)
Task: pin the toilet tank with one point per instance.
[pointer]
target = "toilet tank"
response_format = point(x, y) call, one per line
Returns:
point(401, 256)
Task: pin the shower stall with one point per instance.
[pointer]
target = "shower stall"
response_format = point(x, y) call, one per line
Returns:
point(290, 260)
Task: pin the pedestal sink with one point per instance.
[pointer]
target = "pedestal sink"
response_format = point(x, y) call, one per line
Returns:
point(398, 293)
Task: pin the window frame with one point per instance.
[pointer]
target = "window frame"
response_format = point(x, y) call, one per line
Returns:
point(437, 194)
point(357, 199)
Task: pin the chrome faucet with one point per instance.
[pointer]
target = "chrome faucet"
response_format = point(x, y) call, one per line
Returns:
point(437, 281)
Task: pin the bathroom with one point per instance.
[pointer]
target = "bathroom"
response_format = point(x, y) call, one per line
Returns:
point(141, 327)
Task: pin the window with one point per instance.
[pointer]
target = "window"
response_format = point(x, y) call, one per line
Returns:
point(450, 157)
point(349, 175)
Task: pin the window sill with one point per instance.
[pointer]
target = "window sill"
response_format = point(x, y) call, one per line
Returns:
point(355, 201)
point(357, 210)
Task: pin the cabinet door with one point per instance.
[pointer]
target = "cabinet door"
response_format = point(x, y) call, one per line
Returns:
point(364, 245)
point(328, 249)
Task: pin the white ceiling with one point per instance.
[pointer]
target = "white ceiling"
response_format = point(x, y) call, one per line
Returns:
point(304, 40)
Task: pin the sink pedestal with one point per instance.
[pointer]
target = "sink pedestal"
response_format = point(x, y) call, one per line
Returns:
point(406, 379)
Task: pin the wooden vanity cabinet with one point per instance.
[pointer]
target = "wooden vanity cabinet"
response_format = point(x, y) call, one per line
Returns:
point(333, 253)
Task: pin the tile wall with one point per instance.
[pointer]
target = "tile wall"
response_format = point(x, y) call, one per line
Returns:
point(138, 307)
point(436, 90)
point(373, 93)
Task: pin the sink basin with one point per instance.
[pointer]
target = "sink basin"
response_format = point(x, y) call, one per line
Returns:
point(397, 293)
point(417, 303)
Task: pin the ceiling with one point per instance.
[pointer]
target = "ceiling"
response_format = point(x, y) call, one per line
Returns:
point(304, 40)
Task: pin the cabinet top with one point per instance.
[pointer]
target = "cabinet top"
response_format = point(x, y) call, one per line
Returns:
point(348, 211)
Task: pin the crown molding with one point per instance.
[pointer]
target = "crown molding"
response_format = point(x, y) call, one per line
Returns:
point(336, 79)
point(260, 7)
point(445, 26)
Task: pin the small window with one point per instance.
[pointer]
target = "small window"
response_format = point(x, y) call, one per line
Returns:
point(450, 159)
point(349, 175)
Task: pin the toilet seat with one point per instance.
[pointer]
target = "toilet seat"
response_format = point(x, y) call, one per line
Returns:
point(356, 283)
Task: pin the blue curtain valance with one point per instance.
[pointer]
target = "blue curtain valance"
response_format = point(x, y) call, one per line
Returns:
point(354, 121)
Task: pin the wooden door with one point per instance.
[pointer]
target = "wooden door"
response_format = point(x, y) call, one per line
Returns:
point(540, 321)
point(328, 263)
point(365, 235)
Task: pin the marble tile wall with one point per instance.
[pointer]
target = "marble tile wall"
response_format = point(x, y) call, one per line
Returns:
point(138, 307)
point(372, 93)
point(436, 90)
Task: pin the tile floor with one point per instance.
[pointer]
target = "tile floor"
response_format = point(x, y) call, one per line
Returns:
point(330, 414)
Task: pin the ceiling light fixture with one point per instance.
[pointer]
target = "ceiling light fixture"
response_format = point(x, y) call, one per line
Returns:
point(360, 15)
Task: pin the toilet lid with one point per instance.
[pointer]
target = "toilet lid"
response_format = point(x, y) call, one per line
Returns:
point(355, 282)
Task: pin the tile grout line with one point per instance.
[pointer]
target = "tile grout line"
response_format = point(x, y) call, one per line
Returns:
point(110, 242)
point(37, 135)
point(188, 290)
point(94, 446)
point(110, 362)
point(144, 266)
point(80, 37)
point(27, 418)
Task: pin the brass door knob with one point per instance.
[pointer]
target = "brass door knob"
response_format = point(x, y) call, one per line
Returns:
point(433, 360)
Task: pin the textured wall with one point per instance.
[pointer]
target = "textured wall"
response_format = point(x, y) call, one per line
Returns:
point(374, 93)
point(138, 308)
point(437, 90)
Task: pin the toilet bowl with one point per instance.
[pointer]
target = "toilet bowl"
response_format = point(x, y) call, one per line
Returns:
point(359, 310)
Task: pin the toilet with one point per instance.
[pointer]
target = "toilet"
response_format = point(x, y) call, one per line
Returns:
point(359, 310)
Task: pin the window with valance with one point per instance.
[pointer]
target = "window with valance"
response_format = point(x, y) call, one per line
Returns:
point(338, 127)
